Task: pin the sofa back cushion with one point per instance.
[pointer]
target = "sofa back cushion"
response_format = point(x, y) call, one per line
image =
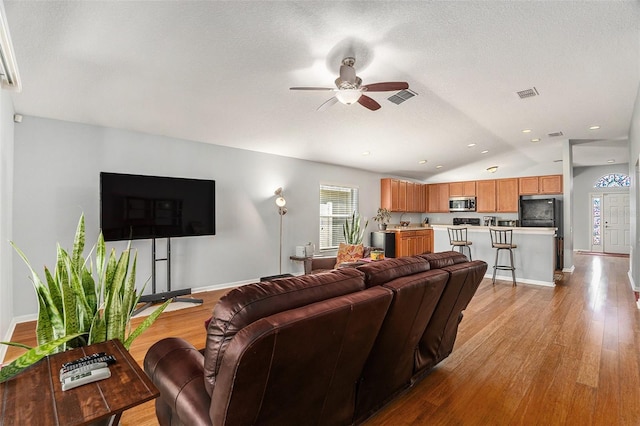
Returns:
point(438, 338)
point(247, 304)
point(444, 258)
point(299, 367)
point(378, 273)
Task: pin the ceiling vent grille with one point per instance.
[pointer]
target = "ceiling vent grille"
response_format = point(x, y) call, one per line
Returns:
point(554, 134)
point(528, 93)
point(401, 96)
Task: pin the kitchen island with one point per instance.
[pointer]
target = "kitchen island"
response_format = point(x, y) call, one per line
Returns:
point(534, 259)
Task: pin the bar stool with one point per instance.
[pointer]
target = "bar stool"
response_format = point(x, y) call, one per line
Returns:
point(458, 238)
point(501, 239)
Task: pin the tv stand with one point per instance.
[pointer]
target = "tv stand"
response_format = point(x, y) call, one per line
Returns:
point(150, 299)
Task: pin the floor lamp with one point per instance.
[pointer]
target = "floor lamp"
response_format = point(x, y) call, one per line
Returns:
point(282, 210)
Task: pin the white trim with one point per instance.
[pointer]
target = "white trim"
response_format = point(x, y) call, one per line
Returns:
point(569, 270)
point(224, 286)
point(519, 280)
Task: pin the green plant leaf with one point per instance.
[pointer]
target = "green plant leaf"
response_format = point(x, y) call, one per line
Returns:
point(17, 345)
point(32, 356)
point(146, 324)
point(78, 245)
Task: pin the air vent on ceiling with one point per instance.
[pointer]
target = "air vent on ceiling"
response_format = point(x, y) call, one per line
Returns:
point(401, 96)
point(528, 93)
point(554, 134)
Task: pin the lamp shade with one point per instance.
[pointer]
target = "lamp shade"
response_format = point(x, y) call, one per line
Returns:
point(348, 96)
point(281, 202)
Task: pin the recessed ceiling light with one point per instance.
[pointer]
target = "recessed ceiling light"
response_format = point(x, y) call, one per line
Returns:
point(422, 161)
point(366, 153)
point(594, 127)
point(526, 131)
point(485, 151)
point(535, 140)
point(439, 166)
point(471, 145)
point(611, 161)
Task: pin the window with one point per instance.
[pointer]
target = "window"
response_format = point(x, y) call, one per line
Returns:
point(337, 203)
point(596, 212)
point(613, 180)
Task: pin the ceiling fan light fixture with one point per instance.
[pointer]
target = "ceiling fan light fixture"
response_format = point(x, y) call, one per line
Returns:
point(348, 96)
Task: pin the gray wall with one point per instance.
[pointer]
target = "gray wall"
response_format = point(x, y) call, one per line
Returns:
point(6, 194)
point(57, 166)
point(583, 180)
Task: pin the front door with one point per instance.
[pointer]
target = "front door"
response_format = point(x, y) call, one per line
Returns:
point(616, 218)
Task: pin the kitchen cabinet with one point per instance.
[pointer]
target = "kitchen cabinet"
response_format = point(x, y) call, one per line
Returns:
point(551, 184)
point(402, 196)
point(486, 196)
point(462, 189)
point(411, 243)
point(507, 195)
point(532, 185)
point(438, 198)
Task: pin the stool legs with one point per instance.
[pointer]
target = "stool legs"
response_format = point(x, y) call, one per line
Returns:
point(510, 267)
point(461, 249)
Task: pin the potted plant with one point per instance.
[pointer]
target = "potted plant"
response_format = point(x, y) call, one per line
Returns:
point(352, 231)
point(78, 306)
point(383, 216)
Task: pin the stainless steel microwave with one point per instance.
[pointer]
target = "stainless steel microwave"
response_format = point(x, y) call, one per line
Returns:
point(462, 204)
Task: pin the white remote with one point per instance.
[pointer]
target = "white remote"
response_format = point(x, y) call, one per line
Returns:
point(86, 377)
point(83, 369)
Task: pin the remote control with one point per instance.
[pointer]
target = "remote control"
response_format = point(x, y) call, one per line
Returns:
point(82, 369)
point(109, 359)
point(84, 358)
point(84, 378)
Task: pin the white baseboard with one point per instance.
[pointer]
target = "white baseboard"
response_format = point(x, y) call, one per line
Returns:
point(520, 280)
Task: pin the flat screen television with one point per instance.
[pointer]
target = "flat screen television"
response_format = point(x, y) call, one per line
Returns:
point(140, 207)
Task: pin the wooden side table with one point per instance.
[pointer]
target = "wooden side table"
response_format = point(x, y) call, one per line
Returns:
point(35, 396)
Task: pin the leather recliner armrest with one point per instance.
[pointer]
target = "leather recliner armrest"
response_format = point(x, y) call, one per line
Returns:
point(177, 370)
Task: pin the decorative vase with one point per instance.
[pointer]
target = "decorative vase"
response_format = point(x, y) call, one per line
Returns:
point(382, 226)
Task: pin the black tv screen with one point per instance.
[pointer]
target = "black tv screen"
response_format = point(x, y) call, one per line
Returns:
point(137, 206)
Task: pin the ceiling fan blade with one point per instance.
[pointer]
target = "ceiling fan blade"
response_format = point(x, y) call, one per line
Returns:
point(325, 105)
point(369, 103)
point(386, 86)
point(311, 88)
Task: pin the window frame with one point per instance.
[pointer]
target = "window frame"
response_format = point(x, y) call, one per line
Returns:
point(330, 239)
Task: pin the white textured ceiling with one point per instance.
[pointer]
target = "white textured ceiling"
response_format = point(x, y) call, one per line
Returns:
point(219, 72)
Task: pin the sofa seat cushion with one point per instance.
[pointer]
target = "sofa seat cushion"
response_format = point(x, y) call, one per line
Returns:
point(378, 273)
point(445, 258)
point(247, 304)
point(348, 253)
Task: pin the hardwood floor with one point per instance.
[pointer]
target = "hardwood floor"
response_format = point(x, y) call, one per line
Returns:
point(568, 355)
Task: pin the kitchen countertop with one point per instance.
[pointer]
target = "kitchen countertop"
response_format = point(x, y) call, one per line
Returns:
point(516, 229)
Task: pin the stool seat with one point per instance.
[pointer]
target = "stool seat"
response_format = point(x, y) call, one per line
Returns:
point(501, 239)
point(458, 238)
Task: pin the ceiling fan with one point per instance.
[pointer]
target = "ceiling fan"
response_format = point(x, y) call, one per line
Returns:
point(350, 89)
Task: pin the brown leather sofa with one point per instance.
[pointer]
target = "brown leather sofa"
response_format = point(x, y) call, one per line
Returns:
point(327, 349)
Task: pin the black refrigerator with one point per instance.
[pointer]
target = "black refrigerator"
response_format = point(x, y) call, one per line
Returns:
point(546, 213)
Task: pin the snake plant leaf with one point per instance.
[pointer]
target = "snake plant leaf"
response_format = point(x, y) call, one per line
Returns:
point(109, 273)
point(78, 244)
point(100, 263)
point(53, 320)
point(114, 318)
point(17, 345)
point(98, 331)
point(32, 356)
point(89, 287)
point(129, 296)
point(54, 289)
point(146, 323)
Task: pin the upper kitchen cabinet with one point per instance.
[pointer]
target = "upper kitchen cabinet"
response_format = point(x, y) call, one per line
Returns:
point(486, 196)
point(507, 195)
point(551, 184)
point(462, 189)
point(533, 185)
point(401, 196)
point(438, 198)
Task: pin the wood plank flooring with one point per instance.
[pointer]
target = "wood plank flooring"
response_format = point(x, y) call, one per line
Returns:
point(524, 355)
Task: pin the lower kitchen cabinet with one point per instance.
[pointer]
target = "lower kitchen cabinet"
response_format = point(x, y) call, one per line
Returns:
point(413, 242)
